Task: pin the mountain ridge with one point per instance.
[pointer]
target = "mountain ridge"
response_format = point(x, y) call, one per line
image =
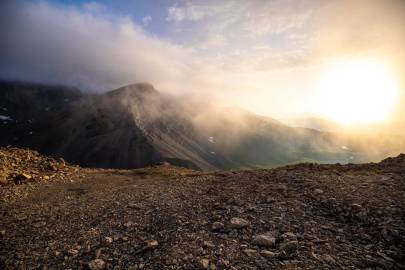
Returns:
point(135, 126)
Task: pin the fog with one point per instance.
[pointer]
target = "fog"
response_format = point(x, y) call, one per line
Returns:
point(265, 57)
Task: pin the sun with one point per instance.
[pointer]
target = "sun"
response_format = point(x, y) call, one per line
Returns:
point(356, 92)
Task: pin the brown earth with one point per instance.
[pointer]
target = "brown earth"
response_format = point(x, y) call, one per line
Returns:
point(305, 216)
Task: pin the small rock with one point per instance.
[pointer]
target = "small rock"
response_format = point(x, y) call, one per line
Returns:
point(357, 207)
point(329, 259)
point(73, 252)
point(97, 254)
point(208, 244)
point(204, 263)
point(20, 178)
point(268, 254)
point(239, 223)
point(129, 224)
point(3, 232)
point(97, 264)
point(288, 236)
point(264, 240)
point(39, 224)
point(385, 264)
point(151, 245)
point(217, 226)
point(225, 262)
point(318, 191)
point(25, 176)
point(289, 247)
point(108, 240)
point(250, 252)
point(134, 206)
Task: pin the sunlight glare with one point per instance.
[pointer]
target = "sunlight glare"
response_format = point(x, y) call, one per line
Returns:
point(357, 92)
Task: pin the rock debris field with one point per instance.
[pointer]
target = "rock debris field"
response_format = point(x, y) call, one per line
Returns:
point(305, 216)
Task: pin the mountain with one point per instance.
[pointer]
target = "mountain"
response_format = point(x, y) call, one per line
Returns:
point(135, 126)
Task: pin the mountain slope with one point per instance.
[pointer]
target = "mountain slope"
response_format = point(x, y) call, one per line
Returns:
point(135, 126)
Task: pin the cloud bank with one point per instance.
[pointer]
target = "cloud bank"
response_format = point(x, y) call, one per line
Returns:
point(82, 47)
point(260, 55)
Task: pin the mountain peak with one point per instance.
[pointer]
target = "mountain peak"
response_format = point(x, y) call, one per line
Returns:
point(142, 88)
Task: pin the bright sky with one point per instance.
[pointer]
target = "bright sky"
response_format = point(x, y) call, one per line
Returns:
point(266, 56)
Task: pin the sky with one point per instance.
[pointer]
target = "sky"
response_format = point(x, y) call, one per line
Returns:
point(264, 56)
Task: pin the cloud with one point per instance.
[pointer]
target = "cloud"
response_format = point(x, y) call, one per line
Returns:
point(257, 54)
point(187, 13)
point(146, 20)
point(67, 45)
point(93, 7)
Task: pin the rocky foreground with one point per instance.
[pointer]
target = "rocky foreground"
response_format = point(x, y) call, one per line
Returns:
point(305, 216)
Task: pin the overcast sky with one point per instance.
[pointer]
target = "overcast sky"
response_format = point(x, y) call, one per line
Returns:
point(265, 56)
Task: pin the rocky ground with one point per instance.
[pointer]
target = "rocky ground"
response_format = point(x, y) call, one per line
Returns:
point(18, 166)
point(305, 216)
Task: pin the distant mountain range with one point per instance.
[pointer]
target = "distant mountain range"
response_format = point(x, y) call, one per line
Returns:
point(136, 126)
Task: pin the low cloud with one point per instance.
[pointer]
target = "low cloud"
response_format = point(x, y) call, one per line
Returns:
point(254, 54)
point(66, 45)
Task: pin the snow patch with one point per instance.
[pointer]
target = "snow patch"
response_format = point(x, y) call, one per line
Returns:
point(5, 118)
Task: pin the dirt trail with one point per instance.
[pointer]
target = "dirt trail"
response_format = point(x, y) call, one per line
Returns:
point(297, 217)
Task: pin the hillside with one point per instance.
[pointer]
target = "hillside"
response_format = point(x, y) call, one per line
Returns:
point(304, 216)
point(136, 126)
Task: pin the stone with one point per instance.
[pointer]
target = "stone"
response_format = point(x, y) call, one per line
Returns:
point(208, 244)
point(26, 176)
point(129, 224)
point(20, 178)
point(204, 263)
point(250, 252)
point(73, 252)
point(238, 223)
point(3, 181)
point(289, 247)
point(329, 259)
point(134, 206)
point(151, 245)
point(268, 254)
point(318, 191)
point(217, 226)
point(357, 207)
point(288, 236)
point(97, 264)
point(108, 240)
point(39, 224)
point(264, 240)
